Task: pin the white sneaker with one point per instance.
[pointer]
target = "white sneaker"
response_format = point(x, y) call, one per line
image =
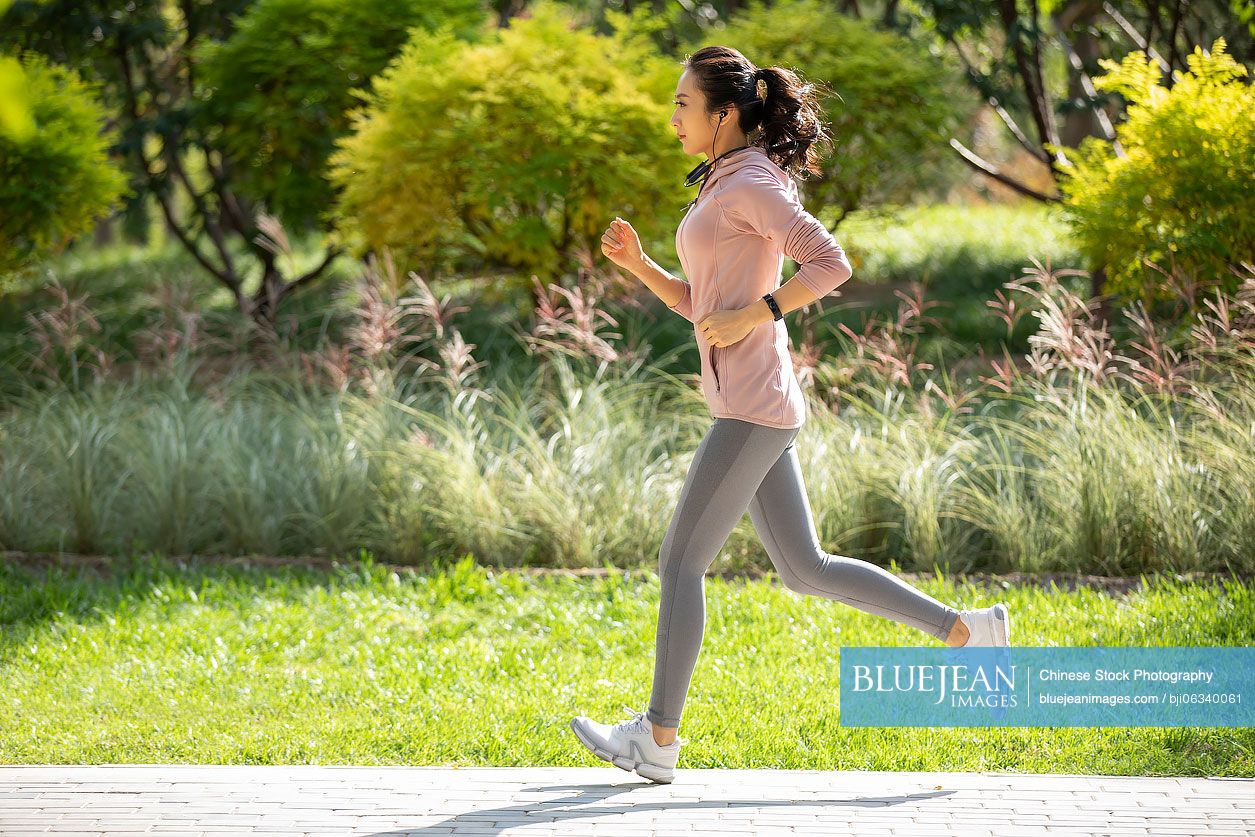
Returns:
point(989, 626)
point(629, 745)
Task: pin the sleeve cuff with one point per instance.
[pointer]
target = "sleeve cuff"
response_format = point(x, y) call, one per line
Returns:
point(685, 306)
point(821, 278)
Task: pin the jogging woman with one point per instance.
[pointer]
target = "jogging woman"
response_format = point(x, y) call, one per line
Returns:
point(731, 242)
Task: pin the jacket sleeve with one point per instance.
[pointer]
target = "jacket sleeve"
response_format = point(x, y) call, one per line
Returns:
point(685, 306)
point(767, 206)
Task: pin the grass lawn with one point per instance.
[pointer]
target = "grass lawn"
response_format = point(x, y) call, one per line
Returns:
point(157, 660)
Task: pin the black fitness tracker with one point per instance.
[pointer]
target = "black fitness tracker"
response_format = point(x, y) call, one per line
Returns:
point(775, 309)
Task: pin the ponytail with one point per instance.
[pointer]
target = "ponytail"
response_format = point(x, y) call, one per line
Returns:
point(792, 121)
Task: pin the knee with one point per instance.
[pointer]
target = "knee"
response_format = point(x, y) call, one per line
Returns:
point(667, 558)
point(802, 587)
point(793, 581)
point(807, 575)
point(678, 565)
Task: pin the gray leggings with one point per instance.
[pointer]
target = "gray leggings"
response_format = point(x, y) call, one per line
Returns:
point(740, 464)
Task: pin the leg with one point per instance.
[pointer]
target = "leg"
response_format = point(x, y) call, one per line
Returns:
point(729, 464)
point(782, 517)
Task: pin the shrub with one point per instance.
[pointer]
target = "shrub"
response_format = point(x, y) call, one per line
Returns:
point(1177, 199)
point(56, 179)
point(898, 102)
point(512, 153)
point(278, 89)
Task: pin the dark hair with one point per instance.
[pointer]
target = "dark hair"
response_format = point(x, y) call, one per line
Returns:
point(788, 120)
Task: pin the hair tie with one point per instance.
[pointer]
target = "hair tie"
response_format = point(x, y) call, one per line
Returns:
point(760, 75)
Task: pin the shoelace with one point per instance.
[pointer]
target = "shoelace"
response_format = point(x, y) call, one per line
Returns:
point(636, 724)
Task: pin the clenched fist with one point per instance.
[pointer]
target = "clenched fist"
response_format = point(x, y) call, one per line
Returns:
point(621, 244)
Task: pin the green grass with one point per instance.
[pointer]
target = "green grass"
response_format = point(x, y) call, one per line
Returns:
point(961, 255)
point(164, 661)
point(956, 250)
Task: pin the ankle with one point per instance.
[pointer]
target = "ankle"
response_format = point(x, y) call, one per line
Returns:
point(959, 634)
point(664, 735)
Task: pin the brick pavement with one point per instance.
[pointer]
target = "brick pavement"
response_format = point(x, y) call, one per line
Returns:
point(115, 800)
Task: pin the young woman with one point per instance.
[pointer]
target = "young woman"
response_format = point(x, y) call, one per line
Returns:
point(745, 218)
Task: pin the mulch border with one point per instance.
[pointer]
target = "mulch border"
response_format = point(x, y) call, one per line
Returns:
point(1114, 585)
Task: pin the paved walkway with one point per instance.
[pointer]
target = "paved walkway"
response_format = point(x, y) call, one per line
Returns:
point(117, 800)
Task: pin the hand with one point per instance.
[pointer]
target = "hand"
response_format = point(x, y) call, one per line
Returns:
point(621, 244)
point(723, 328)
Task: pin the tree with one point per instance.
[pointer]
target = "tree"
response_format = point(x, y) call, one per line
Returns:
point(183, 146)
point(895, 102)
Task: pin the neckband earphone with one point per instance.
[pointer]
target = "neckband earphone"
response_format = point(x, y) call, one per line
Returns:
point(703, 169)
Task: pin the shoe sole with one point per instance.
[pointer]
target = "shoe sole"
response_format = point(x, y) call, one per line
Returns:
point(642, 768)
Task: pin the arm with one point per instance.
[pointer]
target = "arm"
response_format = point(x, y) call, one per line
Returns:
point(790, 296)
point(763, 205)
point(665, 286)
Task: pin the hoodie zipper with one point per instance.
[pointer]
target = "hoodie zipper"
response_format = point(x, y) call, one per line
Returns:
point(705, 179)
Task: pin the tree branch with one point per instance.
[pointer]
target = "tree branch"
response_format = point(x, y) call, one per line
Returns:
point(226, 276)
point(1006, 118)
point(1136, 37)
point(990, 170)
point(1091, 92)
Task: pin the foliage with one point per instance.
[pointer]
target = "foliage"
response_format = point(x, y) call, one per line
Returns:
point(55, 178)
point(896, 101)
point(1083, 455)
point(516, 152)
point(1176, 199)
point(15, 117)
point(274, 95)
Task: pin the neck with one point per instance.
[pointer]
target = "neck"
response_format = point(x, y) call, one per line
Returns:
point(727, 144)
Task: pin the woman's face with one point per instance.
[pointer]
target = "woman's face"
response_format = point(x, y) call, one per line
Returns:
point(693, 126)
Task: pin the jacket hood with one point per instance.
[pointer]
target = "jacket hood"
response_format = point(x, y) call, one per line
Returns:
point(752, 155)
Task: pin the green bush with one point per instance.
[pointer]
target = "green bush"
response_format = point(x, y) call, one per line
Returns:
point(897, 103)
point(278, 91)
point(56, 179)
point(514, 153)
point(1178, 200)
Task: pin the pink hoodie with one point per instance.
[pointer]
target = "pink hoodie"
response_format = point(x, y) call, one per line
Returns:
point(732, 243)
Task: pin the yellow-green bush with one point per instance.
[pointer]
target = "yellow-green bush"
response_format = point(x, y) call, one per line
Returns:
point(509, 153)
point(15, 117)
point(1180, 196)
point(55, 175)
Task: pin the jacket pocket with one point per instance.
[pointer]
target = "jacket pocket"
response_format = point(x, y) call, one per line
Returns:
point(714, 366)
